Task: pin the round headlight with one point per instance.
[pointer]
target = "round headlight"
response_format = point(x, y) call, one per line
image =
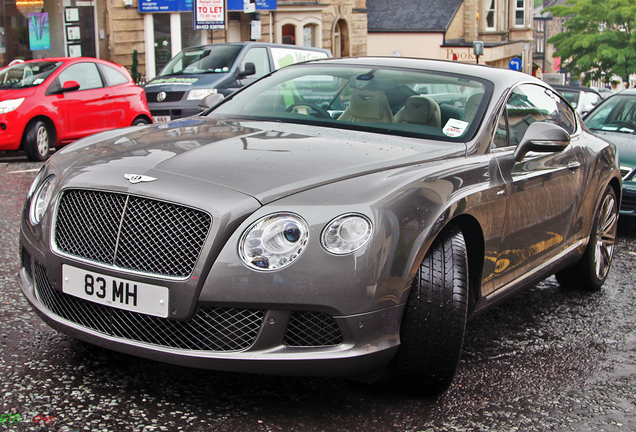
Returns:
point(41, 199)
point(346, 233)
point(274, 242)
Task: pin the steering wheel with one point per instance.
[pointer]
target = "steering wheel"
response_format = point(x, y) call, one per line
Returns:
point(306, 107)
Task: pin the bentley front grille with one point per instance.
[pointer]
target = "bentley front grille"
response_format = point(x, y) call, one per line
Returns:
point(210, 329)
point(130, 232)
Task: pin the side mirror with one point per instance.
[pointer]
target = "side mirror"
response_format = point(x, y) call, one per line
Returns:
point(250, 69)
point(542, 137)
point(70, 86)
point(210, 101)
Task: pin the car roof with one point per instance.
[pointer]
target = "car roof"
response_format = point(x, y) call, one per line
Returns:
point(254, 43)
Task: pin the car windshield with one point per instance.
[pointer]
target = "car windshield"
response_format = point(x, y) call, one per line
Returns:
point(387, 100)
point(616, 114)
point(24, 75)
point(215, 59)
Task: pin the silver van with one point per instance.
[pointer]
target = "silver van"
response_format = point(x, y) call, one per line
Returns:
point(199, 71)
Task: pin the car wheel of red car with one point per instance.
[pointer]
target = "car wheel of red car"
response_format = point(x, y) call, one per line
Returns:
point(37, 143)
point(140, 122)
point(590, 272)
point(434, 321)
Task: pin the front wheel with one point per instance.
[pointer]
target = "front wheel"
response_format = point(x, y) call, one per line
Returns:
point(37, 143)
point(434, 321)
point(590, 273)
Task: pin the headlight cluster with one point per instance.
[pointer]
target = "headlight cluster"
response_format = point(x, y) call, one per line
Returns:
point(346, 233)
point(40, 199)
point(10, 105)
point(275, 241)
point(198, 94)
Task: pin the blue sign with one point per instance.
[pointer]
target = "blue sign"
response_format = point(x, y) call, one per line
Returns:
point(237, 5)
point(515, 64)
point(166, 5)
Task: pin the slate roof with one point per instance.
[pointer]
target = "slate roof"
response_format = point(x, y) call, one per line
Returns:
point(409, 16)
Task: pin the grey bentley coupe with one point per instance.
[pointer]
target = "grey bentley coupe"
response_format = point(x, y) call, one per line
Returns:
point(340, 217)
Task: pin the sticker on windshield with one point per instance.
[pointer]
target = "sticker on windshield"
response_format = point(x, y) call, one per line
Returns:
point(455, 128)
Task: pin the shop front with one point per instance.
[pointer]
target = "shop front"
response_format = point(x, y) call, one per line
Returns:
point(32, 29)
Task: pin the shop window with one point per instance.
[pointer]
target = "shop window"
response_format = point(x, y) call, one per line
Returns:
point(289, 34)
point(163, 49)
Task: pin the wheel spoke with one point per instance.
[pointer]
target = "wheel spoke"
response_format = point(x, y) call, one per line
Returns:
point(605, 236)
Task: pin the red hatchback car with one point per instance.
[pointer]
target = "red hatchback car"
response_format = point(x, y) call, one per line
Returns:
point(53, 102)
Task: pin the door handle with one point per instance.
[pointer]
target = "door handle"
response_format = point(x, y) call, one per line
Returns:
point(574, 166)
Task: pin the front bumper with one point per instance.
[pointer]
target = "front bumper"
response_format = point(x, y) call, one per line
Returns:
point(11, 128)
point(270, 340)
point(628, 201)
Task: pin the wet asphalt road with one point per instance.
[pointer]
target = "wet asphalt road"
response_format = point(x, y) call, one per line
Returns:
point(547, 360)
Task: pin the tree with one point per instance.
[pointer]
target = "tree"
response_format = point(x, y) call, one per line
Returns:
point(599, 39)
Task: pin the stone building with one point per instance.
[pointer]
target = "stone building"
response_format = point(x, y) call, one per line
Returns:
point(446, 30)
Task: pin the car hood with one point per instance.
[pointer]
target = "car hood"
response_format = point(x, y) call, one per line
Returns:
point(625, 144)
point(265, 160)
point(16, 94)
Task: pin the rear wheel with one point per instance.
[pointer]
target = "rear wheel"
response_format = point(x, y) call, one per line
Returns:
point(37, 143)
point(590, 273)
point(434, 321)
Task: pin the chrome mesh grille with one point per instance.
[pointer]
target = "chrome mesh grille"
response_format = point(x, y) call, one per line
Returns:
point(210, 329)
point(131, 232)
point(312, 329)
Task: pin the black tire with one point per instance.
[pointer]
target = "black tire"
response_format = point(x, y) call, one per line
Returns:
point(434, 320)
point(140, 121)
point(590, 273)
point(37, 144)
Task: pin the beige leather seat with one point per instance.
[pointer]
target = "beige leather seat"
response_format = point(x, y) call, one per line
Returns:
point(420, 110)
point(369, 106)
point(471, 107)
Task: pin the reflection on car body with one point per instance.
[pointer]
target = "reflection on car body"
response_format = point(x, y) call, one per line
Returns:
point(329, 219)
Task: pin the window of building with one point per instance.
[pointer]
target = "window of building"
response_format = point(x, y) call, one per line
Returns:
point(309, 35)
point(520, 13)
point(491, 15)
point(540, 42)
point(289, 34)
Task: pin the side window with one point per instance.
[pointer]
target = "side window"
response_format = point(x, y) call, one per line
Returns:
point(532, 103)
point(86, 74)
point(113, 76)
point(259, 57)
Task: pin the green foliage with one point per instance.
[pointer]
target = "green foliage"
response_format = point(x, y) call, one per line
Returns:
point(133, 68)
point(598, 39)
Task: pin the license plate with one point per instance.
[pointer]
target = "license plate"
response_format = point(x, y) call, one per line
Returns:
point(115, 292)
point(160, 119)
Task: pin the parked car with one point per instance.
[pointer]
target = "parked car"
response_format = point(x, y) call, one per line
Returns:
point(222, 68)
point(325, 220)
point(583, 99)
point(615, 120)
point(55, 101)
